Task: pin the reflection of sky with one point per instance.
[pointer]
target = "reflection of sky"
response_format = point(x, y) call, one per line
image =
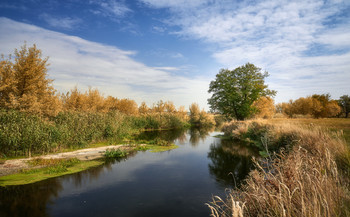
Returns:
point(178, 178)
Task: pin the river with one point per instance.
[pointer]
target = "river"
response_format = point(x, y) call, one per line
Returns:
point(173, 183)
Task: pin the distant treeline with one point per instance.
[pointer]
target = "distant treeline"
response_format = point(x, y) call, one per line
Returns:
point(317, 106)
point(35, 118)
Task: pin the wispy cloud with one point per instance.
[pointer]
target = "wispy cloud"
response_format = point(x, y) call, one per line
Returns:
point(75, 61)
point(113, 9)
point(290, 39)
point(67, 23)
point(178, 4)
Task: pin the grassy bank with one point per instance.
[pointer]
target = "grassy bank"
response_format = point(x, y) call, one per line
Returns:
point(305, 171)
point(41, 169)
point(51, 168)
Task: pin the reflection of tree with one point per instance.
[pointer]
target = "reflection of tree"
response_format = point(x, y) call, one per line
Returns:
point(231, 162)
point(168, 135)
point(93, 173)
point(32, 199)
point(199, 134)
point(28, 200)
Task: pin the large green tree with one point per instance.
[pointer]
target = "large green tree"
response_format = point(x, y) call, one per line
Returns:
point(235, 91)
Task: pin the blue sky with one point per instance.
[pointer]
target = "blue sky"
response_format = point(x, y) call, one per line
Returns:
point(148, 50)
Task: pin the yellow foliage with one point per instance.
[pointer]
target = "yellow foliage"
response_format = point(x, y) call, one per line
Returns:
point(127, 106)
point(143, 109)
point(159, 107)
point(265, 107)
point(24, 84)
point(319, 106)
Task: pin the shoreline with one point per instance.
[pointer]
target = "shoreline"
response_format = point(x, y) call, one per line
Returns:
point(13, 166)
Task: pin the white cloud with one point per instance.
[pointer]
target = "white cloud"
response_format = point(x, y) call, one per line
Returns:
point(284, 37)
point(61, 22)
point(75, 61)
point(174, 4)
point(111, 8)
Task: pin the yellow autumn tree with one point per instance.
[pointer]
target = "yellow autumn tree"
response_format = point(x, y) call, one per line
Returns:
point(127, 106)
point(169, 107)
point(159, 107)
point(24, 84)
point(143, 109)
point(182, 113)
point(74, 100)
point(194, 113)
point(110, 104)
point(265, 107)
point(7, 82)
point(94, 101)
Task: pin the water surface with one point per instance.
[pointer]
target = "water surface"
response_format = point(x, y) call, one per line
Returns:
point(173, 183)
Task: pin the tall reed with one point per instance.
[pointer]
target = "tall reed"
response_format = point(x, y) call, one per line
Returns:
point(306, 176)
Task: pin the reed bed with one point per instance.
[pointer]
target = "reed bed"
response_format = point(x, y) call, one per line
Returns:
point(305, 173)
point(24, 134)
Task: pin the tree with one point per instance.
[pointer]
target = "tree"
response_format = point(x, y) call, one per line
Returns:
point(265, 107)
point(127, 106)
point(143, 108)
point(194, 114)
point(24, 84)
point(234, 91)
point(344, 102)
point(328, 107)
point(200, 118)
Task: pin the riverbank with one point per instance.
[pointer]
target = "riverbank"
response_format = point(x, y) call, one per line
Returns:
point(304, 172)
point(28, 170)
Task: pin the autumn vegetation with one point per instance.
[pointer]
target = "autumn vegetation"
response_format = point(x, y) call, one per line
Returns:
point(36, 119)
point(304, 172)
point(303, 169)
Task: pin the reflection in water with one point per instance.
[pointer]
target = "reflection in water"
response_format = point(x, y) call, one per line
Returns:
point(178, 182)
point(167, 135)
point(28, 200)
point(199, 134)
point(94, 173)
point(230, 162)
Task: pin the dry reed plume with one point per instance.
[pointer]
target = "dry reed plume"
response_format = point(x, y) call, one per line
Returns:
point(308, 177)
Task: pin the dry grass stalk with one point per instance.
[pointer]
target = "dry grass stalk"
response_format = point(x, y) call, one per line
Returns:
point(301, 182)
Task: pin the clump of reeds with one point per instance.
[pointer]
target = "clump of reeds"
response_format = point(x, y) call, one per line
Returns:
point(308, 179)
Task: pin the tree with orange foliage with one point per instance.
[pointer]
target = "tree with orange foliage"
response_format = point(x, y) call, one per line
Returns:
point(159, 107)
point(74, 100)
point(127, 106)
point(24, 84)
point(143, 108)
point(265, 107)
point(169, 107)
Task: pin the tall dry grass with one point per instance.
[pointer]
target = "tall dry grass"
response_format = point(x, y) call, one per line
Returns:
point(307, 176)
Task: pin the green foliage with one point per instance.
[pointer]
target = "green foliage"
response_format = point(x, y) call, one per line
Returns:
point(235, 91)
point(115, 153)
point(344, 102)
point(23, 134)
point(26, 134)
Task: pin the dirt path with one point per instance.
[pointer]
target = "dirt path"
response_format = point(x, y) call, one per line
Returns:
point(13, 166)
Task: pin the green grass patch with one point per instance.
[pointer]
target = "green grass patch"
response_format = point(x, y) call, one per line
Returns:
point(158, 148)
point(35, 175)
point(115, 153)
